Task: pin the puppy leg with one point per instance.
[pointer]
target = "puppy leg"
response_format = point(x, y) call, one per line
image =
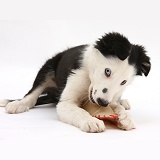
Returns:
point(72, 114)
point(124, 119)
point(26, 103)
point(44, 80)
point(73, 95)
point(125, 103)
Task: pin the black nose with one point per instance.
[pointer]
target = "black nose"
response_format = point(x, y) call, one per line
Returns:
point(102, 102)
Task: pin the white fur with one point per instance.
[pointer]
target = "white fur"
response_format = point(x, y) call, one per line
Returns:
point(26, 103)
point(3, 102)
point(125, 103)
point(121, 70)
point(91, 75)
point(68, 109)
point(124, 119)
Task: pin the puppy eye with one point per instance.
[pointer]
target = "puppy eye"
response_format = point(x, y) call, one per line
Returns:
point(107, 72)
point(123, 82)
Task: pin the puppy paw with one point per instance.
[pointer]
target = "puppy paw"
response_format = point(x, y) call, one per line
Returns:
point(16, 107)
point(125, 104)
point(92, 125)
point(125, 122)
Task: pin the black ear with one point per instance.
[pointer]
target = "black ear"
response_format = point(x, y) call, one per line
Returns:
point(141, 61)
point(115, 45)
point(146, 66)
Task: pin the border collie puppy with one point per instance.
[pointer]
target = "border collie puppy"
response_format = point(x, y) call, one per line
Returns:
point(98, 72)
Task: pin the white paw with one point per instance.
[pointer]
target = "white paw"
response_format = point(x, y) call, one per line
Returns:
point(16, 107)
point(92, 125)
point(125, 104)
point(125, 122)
point(3, 102)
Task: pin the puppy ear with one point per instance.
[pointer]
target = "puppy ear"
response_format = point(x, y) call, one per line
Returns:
point(146, 66)
point(141, 61)
point(114, 45)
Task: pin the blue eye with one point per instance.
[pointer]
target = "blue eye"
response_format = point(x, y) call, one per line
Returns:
point(107, 72)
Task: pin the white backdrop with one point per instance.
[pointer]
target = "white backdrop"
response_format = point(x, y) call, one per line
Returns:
point(27, 41)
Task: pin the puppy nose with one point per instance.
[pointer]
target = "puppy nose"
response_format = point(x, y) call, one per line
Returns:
point(102, 102)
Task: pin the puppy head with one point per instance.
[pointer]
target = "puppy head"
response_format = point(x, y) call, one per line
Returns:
point(116, 62)
point(109, 78)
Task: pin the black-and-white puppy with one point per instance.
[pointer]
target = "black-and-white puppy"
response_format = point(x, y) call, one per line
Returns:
point(99, 72)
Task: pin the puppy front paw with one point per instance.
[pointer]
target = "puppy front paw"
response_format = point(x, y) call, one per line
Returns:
point(92, 125)
point(16, 107)
point(125, 103)
point(125, 122)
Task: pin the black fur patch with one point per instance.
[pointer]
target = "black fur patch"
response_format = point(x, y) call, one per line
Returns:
point(70, 60)
point(140, 60)
point(58, 68)
point(114, 44)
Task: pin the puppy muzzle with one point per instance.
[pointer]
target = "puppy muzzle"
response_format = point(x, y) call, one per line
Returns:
point(102, 102)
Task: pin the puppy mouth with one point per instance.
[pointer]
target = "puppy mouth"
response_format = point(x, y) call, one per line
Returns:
point(91, 98)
